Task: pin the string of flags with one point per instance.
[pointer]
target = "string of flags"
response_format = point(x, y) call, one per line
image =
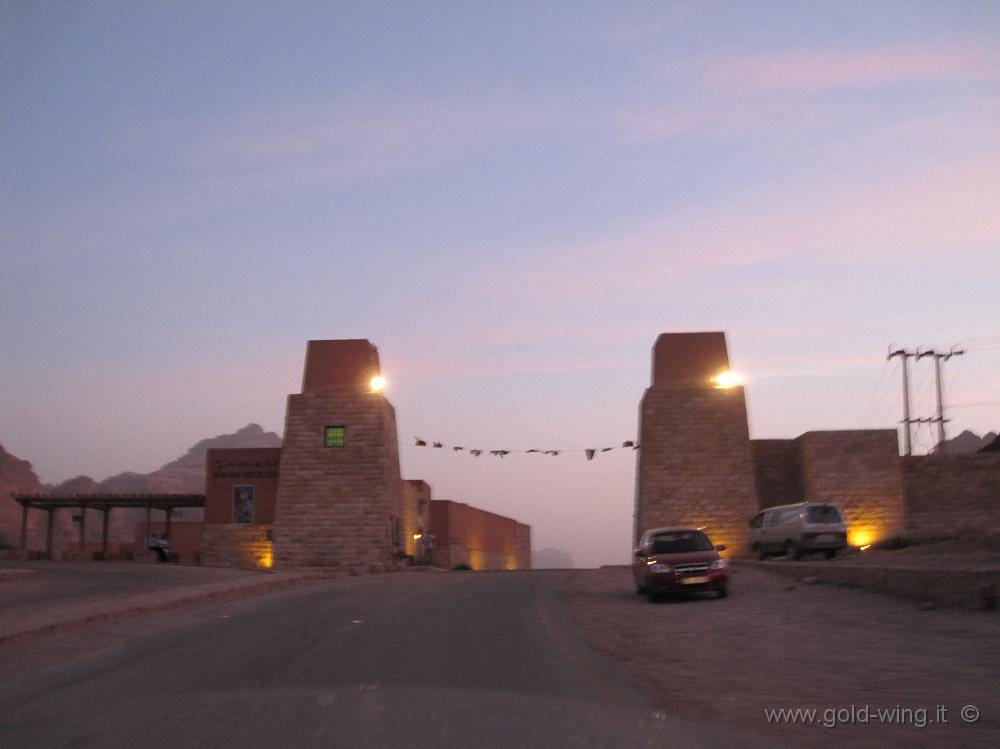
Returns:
point(590, 452)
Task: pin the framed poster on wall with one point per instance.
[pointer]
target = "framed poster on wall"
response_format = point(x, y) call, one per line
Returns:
point(242, 504)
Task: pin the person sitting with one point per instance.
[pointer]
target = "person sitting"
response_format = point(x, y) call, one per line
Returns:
point(158, 547)
point(168, 555)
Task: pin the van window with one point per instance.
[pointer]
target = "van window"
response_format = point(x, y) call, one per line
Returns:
point(790, 516)
point(771, 519)
point(758, 520)
point(824, 514)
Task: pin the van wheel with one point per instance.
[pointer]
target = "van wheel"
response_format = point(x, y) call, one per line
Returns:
point(791, 552)
point(759, 550)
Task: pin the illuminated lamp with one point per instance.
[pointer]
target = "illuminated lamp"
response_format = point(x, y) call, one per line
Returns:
point(726, 380)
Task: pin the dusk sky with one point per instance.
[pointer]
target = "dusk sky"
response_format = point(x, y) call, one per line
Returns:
point(511, 200)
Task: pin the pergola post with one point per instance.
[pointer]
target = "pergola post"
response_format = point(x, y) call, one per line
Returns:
point(83, 525)
point(104, 534)
point(146, 539)
point(48, 532)
point(24, 529)
point(166, 526)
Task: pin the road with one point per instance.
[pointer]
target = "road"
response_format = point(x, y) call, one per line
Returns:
point(415, 659)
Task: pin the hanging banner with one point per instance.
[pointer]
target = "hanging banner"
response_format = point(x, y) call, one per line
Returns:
point(589, 452)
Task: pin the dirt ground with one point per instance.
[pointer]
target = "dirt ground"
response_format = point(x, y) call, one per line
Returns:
point(774, 643)
point(970, 553)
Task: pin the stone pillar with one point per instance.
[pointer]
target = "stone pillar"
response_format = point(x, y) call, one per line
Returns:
point(339, 500)
point(695, 466)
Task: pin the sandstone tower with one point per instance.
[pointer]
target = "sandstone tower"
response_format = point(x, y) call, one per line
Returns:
point(339, 501)
point(695, 466)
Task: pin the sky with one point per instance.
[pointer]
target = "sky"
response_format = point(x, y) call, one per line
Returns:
point(511, 200)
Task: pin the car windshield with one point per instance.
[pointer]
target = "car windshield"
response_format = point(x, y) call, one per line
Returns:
point(824, 514)
point(678, 543)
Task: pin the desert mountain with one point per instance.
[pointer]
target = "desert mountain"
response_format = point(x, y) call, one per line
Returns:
point(966, 443)
point(186, 474)
point(542, 559)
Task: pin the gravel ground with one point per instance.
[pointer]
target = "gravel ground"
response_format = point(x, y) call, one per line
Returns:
point(981, 552)
point(776, 644)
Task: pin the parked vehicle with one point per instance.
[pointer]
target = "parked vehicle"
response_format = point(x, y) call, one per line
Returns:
point(672, 560)
point(794, 530)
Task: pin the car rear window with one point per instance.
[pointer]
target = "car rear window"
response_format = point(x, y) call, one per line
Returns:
point(824, 514)
point(678, 543)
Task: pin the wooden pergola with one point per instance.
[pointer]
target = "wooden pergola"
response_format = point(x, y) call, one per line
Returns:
point(102, 503)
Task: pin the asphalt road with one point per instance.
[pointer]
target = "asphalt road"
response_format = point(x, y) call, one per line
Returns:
point(422, 659)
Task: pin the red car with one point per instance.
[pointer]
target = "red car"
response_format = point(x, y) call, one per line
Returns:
point(674, 560)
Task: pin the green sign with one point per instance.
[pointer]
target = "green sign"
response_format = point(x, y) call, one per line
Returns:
point(335, 437)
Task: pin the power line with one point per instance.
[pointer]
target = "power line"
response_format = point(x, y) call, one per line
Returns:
point(907, 421)
point(875, 400)
point(939, 419)
point(938, 358)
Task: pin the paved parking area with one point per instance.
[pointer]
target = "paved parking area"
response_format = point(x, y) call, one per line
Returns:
point(60, 594)
point(777, 644)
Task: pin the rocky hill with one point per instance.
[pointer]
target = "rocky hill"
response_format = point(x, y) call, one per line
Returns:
point(542, 559)
point(966, 443)
point(186, 474)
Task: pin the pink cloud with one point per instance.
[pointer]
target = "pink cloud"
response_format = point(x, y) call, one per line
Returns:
point(830, 69)
point(775, 93)
point(923, 213)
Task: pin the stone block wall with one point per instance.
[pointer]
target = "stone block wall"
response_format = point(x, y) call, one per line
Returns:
point(860, 471)
point(237, 545)
point(522, 546)
point(416, 514)
point(952, 494)
point(777, 471)
point(695, 465)
point(227, 468)
point(339, 506)
point(480, 539)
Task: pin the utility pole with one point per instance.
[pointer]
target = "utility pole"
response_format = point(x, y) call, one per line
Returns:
point(905, 356)
point(938, 358)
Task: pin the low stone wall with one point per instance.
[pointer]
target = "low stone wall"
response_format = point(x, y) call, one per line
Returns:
point(976, 589)
point(951, 494)
point(237, 545)
point(451, 556)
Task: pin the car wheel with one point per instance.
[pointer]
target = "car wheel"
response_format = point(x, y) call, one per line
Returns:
point(653, 597)
point(791, 552)
point(640, 589)
point(721, 592)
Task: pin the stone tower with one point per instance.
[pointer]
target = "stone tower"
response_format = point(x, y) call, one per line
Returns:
point(695, 466)
point(339, 499)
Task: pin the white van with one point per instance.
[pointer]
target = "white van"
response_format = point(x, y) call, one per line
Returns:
point(794, 530)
